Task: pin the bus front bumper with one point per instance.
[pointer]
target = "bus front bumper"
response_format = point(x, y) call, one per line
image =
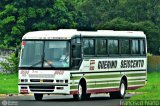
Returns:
point(43, 88)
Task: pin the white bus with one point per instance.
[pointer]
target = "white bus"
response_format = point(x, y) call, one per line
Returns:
point(81, 63)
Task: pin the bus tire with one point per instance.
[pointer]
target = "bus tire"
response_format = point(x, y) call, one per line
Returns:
point(119, 94)
point(88, 95)
point(81, 93)
point(38, 97)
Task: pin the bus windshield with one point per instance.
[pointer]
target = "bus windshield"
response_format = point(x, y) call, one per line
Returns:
point(45, 54)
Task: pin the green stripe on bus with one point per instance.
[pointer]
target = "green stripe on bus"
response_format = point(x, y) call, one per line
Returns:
point(102, 76)
point(136, 74)
point(103, 85)
point(96, 76)
point(75, 77)
point(107, 76)
point(74, 87)
point(97, 85)
point(89, 82)
point(107, 85)
point(136, 83)
point(143, 79)
point(73, 82)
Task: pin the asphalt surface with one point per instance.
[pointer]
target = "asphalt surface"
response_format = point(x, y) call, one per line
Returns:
point(61, 100)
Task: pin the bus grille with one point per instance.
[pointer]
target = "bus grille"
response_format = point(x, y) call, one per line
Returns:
point(38, 80)
point(42, 88)
point(41, 76)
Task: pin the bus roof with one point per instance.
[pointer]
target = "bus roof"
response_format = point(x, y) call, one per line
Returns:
point(69, 33)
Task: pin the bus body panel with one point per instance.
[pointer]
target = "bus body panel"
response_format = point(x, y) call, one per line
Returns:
point(44, 81)
point(104, 75)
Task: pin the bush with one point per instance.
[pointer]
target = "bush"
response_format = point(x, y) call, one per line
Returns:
point(10, 65)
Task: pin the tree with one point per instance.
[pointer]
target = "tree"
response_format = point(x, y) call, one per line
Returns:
point(7, 22)
point(10, 64)
point(20, 16)
point(150, 29)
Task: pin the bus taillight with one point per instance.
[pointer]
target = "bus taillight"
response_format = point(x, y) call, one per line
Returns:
point(23, 43)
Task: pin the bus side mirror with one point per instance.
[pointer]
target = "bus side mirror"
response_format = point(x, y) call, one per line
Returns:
point(16, 52)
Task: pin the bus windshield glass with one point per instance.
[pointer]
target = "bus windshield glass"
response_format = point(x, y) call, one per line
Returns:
point(45, 54)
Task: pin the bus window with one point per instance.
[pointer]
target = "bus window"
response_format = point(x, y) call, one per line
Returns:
point(142, 47)
point(113, 46)
point(56, 54)
point(31, 54)
point(101, 47)
point(125, 46)
point(135, 47)
point(88, 47)
point(76, 52)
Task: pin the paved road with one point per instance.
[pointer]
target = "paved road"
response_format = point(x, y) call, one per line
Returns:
point(57, 100)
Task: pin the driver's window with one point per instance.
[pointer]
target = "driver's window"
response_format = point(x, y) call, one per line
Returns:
point(76, 53)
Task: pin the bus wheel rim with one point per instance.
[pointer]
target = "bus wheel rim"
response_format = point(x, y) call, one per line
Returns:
point(122, 89)
point(80, 90)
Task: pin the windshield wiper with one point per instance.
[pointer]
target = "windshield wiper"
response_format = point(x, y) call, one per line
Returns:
point(36, 63)
point(41, 61)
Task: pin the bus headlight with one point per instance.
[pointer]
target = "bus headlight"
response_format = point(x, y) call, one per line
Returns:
point(23, 80)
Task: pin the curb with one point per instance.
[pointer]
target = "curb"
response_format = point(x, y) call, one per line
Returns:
point(136, 92)
point(2, 95)
point(5, 95)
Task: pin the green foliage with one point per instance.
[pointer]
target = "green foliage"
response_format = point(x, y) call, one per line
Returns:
point(19, 17)
point(151, 90)
point(10, 64)
point(9, 83)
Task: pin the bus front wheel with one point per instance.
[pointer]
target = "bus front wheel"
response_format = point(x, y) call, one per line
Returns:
point(81, 93)
point(119, 94)
point(38, 97)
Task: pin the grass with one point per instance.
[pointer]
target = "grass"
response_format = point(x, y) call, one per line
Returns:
point(151, 90)
point(8, 83)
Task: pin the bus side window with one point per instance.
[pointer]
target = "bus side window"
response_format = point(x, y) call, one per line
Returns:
point(101, 47)
point(113, 47)
point(125, 46)
point(88, 47)
point(135, 47)
point(142, 47)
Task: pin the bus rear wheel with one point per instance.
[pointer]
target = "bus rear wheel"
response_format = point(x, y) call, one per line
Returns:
point(119, 94)
point(38, 97)
point(81, 93)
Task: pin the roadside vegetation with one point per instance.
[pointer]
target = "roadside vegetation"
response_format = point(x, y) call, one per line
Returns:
point(8, 83)
point(18, 17)
point(10, 65)
point(151, 91)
